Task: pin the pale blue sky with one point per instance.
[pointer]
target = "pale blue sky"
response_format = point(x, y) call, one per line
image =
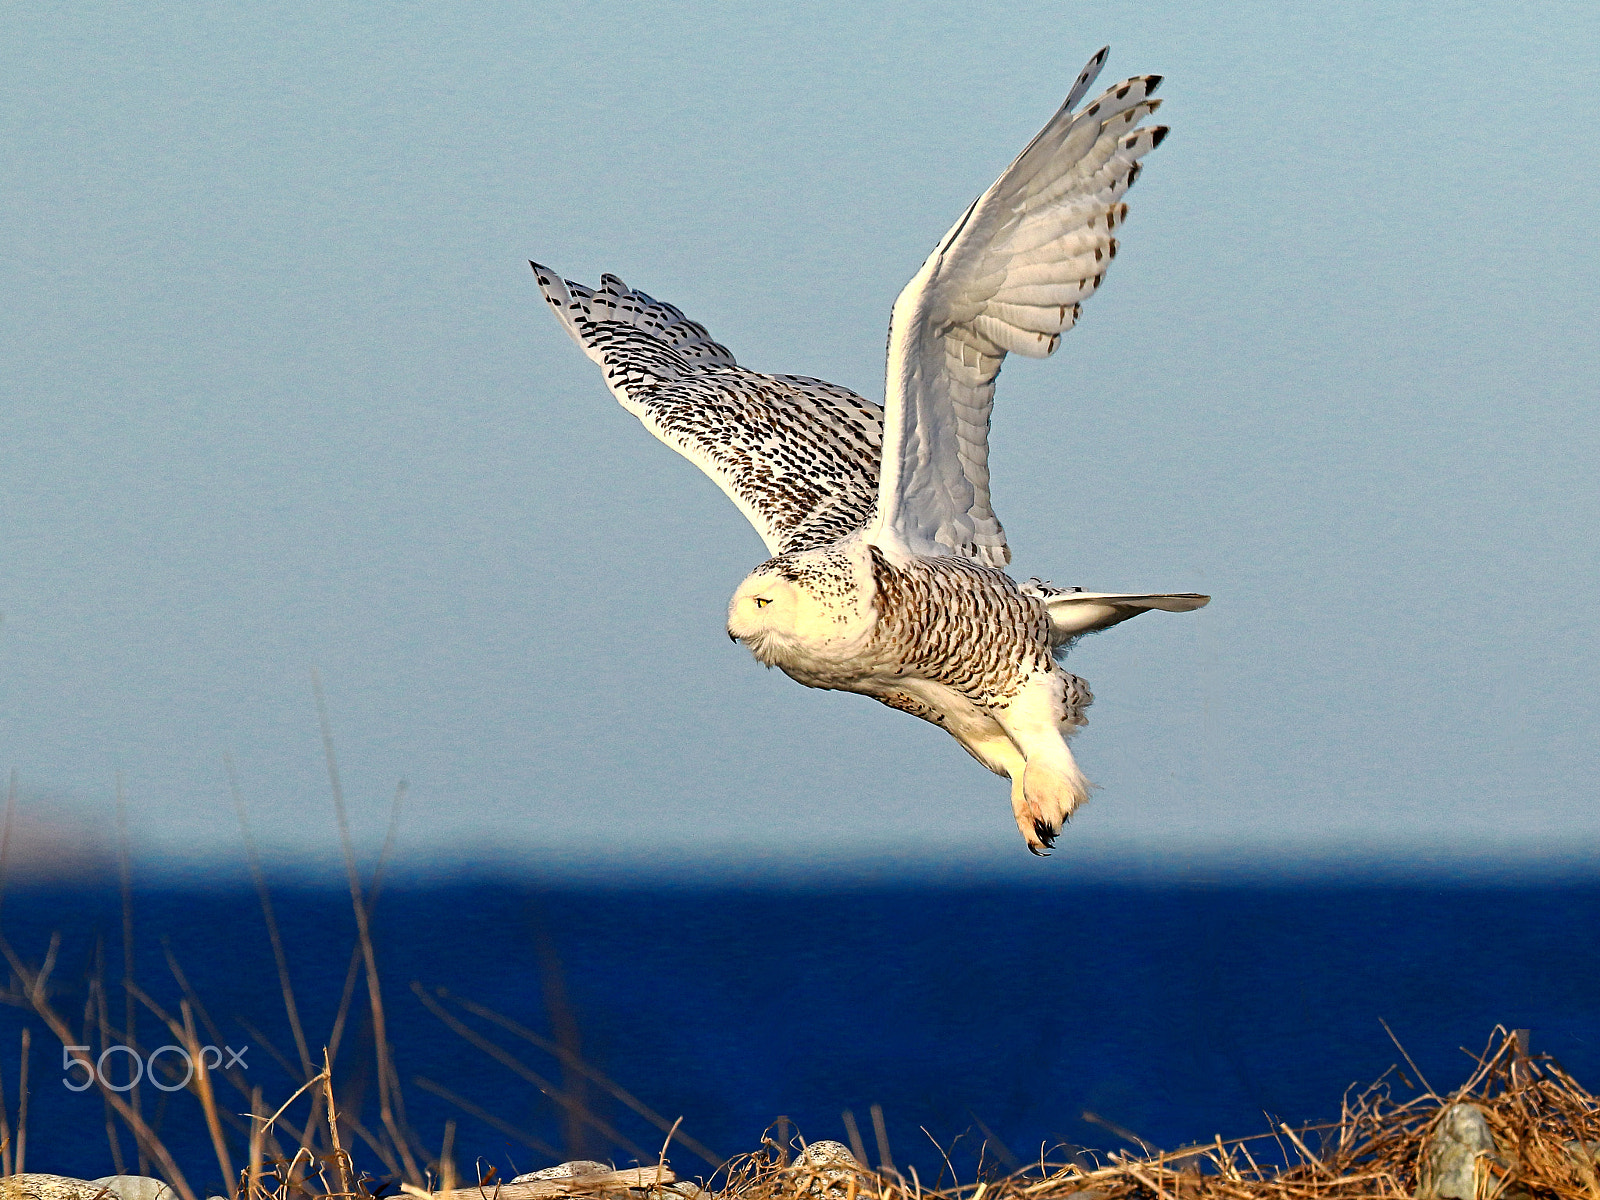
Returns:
point(279, 393)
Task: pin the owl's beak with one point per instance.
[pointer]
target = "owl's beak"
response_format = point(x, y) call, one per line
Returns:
point(732, 637)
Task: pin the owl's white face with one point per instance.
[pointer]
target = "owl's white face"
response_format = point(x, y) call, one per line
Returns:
point(769, 612)
point(806, 611)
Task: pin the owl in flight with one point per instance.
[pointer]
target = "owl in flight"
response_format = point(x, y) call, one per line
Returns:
point(887, 571)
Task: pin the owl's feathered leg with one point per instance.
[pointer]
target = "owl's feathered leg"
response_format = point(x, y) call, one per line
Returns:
point(1050, 786)
point(999, 753)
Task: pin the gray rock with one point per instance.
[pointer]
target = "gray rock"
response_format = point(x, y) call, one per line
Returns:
point(567, 1170)
point(1450, 1160)
point(135, 1187)
point(581, 1167)
point(37, 1186)
point(827, 1153)
point(31, 1186)
point(826, 1168)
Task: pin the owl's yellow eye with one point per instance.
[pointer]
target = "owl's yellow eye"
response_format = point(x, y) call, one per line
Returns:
point(762, 602)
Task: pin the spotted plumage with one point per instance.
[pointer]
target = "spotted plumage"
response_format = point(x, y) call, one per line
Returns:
point(886, 577)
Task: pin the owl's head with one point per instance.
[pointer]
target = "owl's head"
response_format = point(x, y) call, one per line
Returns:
point(770, 611)
point(805, 607)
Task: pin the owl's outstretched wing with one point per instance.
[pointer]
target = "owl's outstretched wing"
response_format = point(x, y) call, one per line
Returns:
point(797, 455)
point(1008, 278)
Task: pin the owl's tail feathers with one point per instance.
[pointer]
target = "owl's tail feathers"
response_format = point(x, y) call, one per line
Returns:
point(1075, 613)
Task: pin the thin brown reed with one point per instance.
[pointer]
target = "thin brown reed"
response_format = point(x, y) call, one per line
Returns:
point(264, 897)
point(579, 1066)
point(390, 1101)
point(22, 1101)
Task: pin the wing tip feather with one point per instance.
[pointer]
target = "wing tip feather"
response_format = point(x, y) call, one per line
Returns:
point(1086, 77)
point(560, 299)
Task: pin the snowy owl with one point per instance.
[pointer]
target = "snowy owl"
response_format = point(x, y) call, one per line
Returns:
point(886, 576)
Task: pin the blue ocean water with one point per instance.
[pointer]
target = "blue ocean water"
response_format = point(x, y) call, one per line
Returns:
point(1175, 1011)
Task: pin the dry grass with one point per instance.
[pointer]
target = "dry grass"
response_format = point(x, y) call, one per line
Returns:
point(1545, 1125)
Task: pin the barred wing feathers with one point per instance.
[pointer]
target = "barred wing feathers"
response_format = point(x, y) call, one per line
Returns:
point(797, 455)
point(1008, 278)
